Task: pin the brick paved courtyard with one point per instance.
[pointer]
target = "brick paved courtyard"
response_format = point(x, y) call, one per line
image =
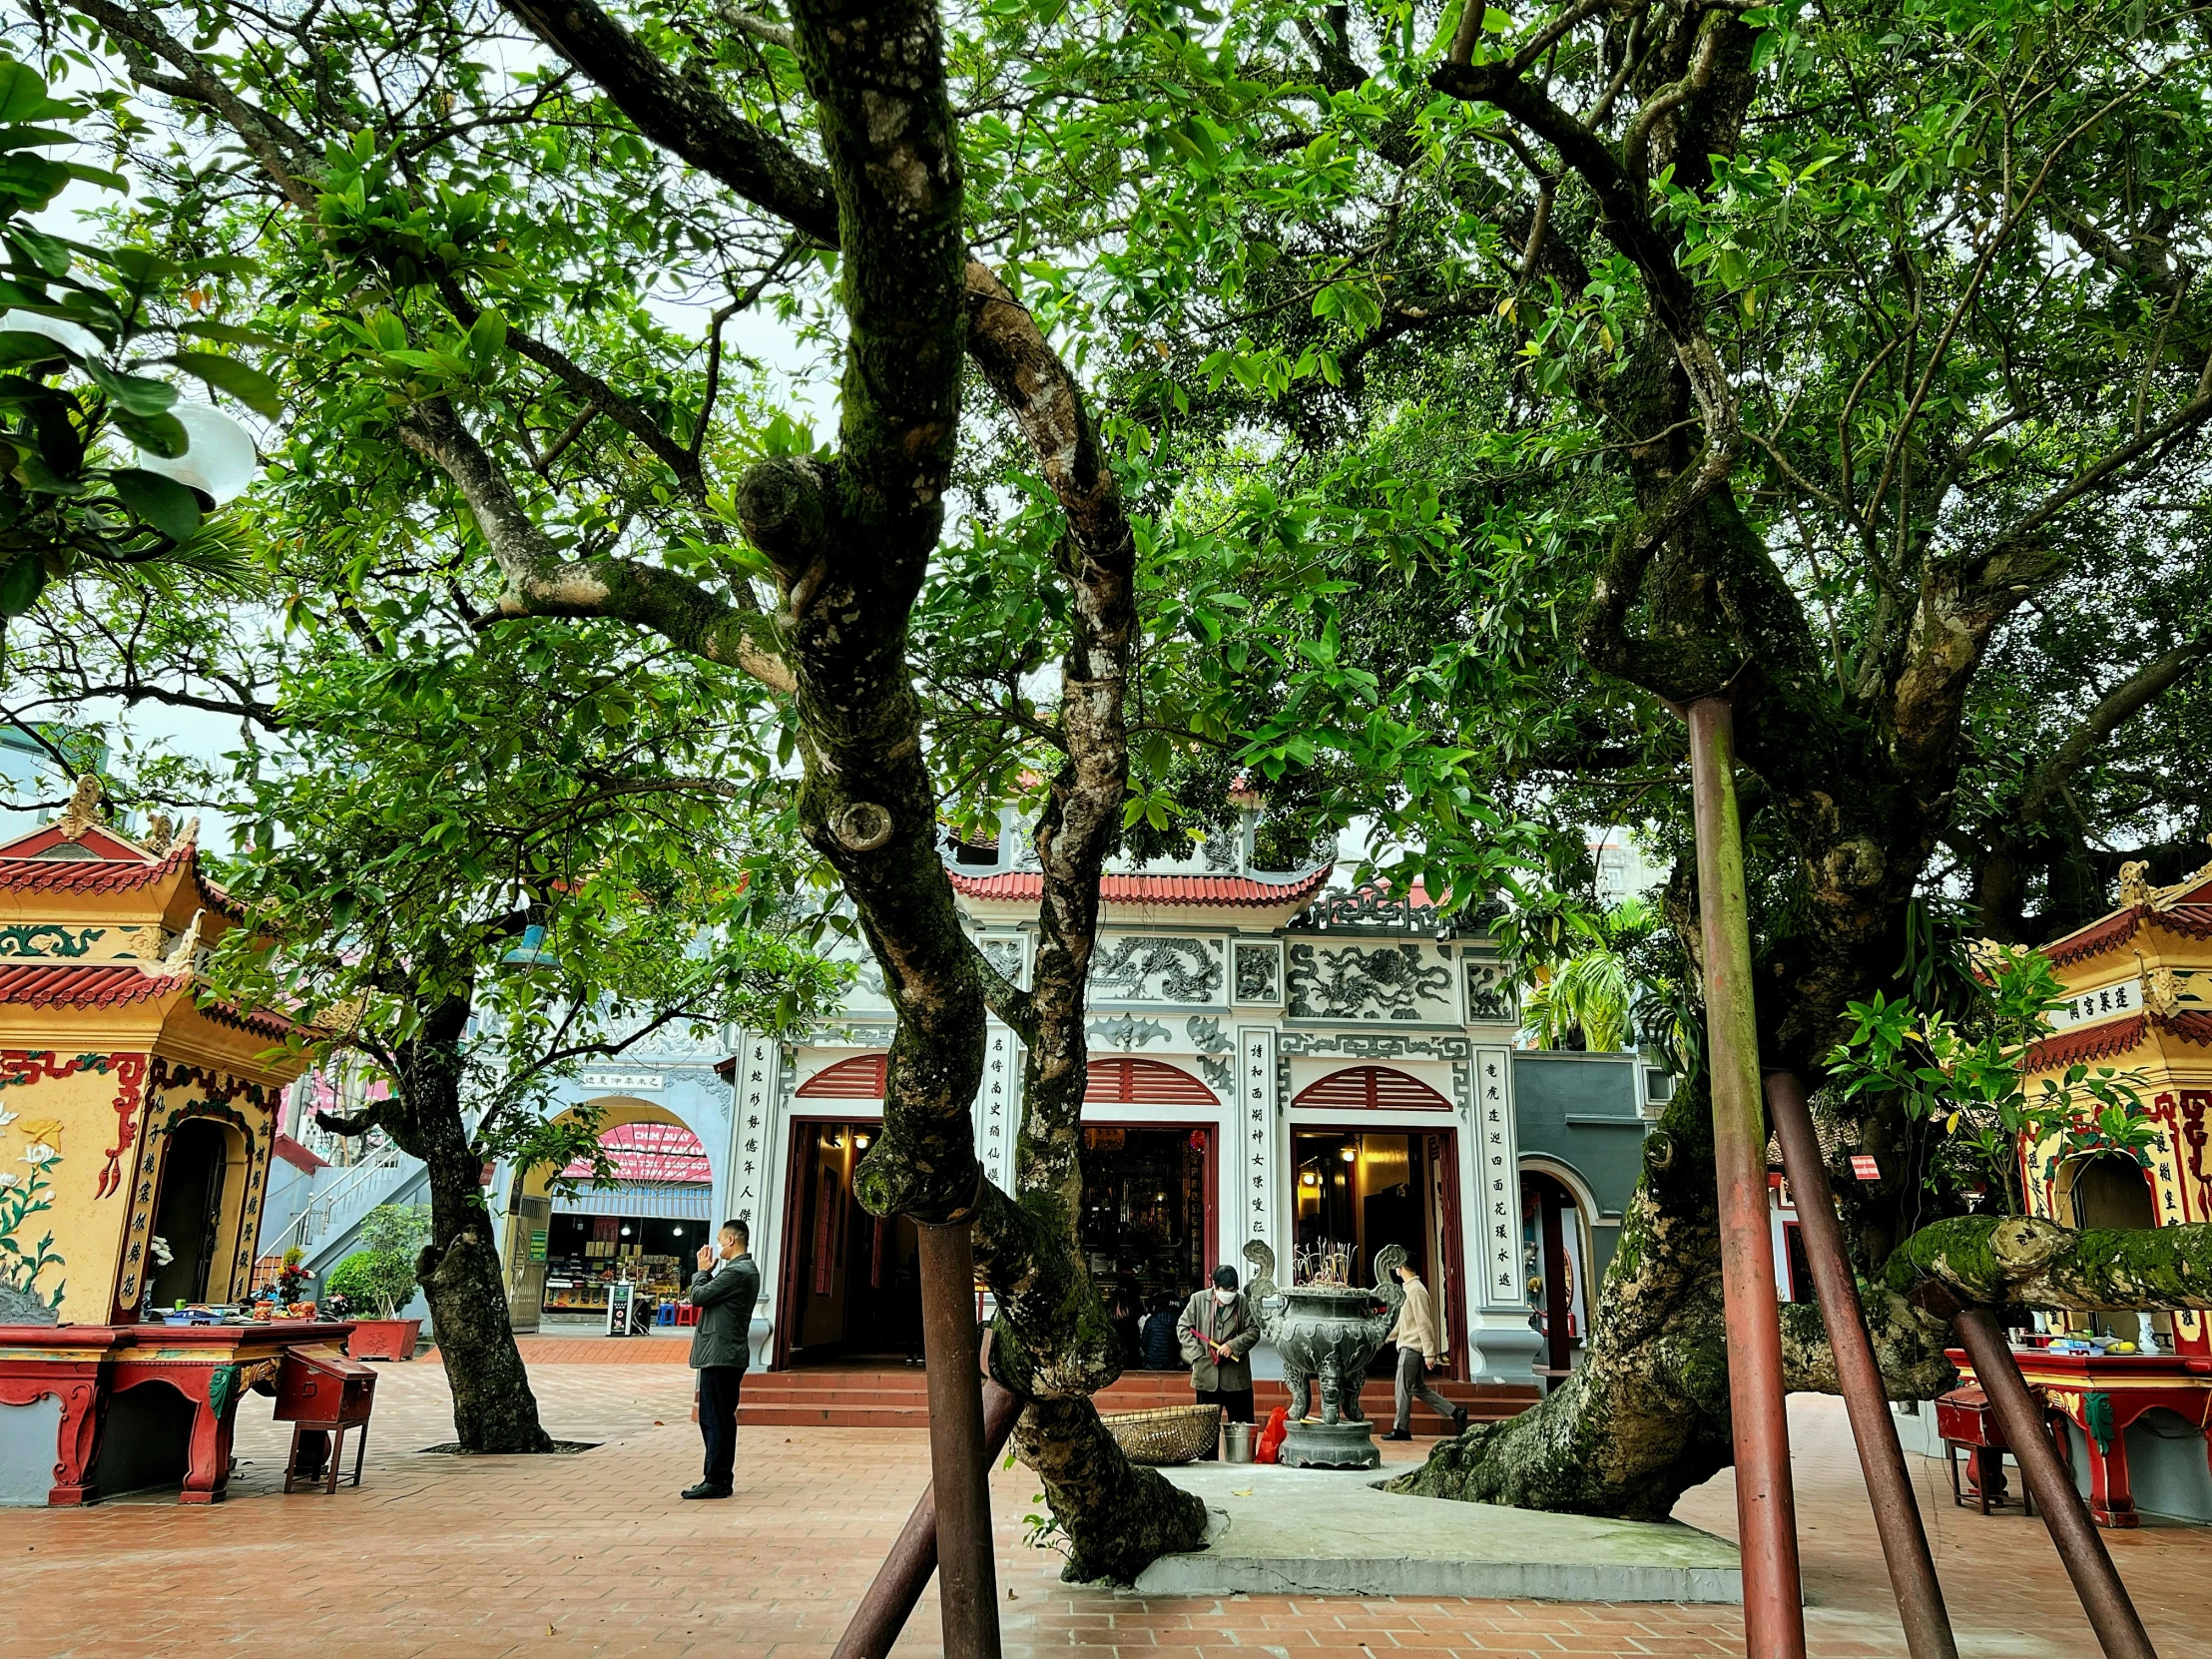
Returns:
point(593, 1555)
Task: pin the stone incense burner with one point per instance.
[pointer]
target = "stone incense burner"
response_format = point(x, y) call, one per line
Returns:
point(1327, 1332)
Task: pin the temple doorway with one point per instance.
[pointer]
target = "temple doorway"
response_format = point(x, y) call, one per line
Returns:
point(1147, 1228)
point(2111, 1191)
point(187, 1219)
point(851, 1286)
point(1357, 1192)
point(1555, 1263)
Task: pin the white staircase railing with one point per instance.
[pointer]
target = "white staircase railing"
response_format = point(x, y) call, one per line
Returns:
point(338, 1206)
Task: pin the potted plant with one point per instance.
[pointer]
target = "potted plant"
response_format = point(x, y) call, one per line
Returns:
point(381, 1274)
point(292, 1277)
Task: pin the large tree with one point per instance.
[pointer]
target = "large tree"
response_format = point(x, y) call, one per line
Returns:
point(1845, 363)
point(1475, 388)
point(472, 252)
point(478, 858)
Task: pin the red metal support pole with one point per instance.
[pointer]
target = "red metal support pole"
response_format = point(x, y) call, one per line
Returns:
point(959, 1470)
point(907, 1569)
point(2028, 1437)
point(1766, 1503)
point(1896, 1517)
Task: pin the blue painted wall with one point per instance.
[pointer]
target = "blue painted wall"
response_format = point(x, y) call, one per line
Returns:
point(1582, 1111)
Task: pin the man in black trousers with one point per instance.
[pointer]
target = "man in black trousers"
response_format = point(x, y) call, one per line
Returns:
point(724, 1291)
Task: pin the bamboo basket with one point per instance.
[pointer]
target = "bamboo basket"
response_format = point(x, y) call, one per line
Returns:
point(1170, 1434)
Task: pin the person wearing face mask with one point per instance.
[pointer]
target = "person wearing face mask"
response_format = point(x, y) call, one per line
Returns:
point(1218, 1330)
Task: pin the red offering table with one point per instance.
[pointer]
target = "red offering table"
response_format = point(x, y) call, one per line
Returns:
point(86, 1367)
point(2100, 1394)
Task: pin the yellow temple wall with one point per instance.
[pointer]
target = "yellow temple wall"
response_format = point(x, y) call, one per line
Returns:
point(246, 1105)
point(2174, 1081)
point(158, 1069)
point(59, 1133)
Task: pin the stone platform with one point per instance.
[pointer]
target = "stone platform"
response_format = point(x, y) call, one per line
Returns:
point(1279, 1531)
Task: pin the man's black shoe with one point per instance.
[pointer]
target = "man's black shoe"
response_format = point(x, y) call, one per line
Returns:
point(1459, 1420)
point(704, 1491)
point(1399, 1435)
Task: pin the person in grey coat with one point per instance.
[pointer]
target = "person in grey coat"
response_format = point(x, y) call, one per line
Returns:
point(1219, 1328)
point(724, 1291)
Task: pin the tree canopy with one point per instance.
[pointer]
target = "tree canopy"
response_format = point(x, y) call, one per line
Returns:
point(1398, 412)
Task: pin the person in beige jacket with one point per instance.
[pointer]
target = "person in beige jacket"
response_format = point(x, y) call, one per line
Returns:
point(1419, 1347)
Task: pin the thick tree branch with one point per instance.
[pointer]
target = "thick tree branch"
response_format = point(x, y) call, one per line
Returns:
point(684, 118)
point(284, 152)
point(2138, 690)
point(1992, 1261)
point(1961, 601)
point(542, 581)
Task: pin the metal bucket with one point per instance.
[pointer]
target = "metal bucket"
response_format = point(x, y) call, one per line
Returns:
point(1239, 1436)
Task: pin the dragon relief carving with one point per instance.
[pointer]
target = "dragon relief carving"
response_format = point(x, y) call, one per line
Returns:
point(1385, 982)
point(1259, 973)
point(1155, 968)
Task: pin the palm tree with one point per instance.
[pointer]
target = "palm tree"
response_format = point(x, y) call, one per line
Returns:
point(1590, 1000)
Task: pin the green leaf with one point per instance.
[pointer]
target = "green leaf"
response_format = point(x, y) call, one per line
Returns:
point(487, 336)
point(162, 502)
point(19, 348)
point(23, 98)
point(133, 393)
point(50, 253)
point(158, 434)
point(227, 334)
point(21, 582)
point(249, 385)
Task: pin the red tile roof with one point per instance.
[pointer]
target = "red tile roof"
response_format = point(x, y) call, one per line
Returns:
point(110, 985)
point(1236, 890)
point(119, 985)
point(2193, 1026)
point(87, 875)
point(2100, 936)
point(2192, 919)
point(2087, 1044)
point(251, 1019)
point(112, 875)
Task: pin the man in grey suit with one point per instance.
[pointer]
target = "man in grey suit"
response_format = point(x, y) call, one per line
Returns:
point(724, 1291)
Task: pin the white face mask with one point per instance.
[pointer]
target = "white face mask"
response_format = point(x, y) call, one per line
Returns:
point(1225, 1297)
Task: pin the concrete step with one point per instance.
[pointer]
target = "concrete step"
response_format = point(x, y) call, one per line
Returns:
point(900, 1398)
point(782, 1415)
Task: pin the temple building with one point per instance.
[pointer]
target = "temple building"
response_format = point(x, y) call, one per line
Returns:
point(137, 1118)
point(1273, 1057)
point(2138, 983)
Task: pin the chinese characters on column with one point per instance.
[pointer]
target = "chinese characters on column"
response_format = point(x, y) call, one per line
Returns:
point(1497, 1168)
point(757, 1064)
point(998, 1107)
point(1255, 1101)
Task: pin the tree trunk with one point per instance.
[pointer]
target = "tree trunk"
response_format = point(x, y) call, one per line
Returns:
point(494, 1410)
point(1645, 1415)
